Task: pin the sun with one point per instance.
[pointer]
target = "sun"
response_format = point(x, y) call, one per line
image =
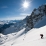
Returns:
point(25, 4)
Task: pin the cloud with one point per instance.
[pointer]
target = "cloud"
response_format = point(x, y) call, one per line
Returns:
point(20, 17)
point(16, 17)
point(12, 18)
point(4, 7)
point(25, 14)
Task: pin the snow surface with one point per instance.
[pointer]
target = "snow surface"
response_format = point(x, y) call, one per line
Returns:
point(32, 38)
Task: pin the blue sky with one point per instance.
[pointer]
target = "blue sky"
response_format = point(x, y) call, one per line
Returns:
point(12, 9)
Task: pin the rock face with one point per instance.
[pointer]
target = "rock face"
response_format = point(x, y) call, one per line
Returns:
point(36, 16)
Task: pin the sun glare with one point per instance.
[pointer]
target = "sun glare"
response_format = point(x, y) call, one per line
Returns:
point(25, 4)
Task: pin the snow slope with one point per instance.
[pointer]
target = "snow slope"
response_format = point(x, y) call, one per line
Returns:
point(32, 38)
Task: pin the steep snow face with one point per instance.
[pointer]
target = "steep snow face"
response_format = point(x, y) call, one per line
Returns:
point(41, 23)
point(32, 38)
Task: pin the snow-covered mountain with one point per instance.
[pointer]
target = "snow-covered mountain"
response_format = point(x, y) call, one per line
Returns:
point(37, 17)
point(26, 32)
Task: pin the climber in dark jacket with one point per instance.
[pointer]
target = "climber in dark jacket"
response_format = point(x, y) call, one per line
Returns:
point(41, 36)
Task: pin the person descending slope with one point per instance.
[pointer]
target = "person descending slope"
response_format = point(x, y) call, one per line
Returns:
point(41, 36)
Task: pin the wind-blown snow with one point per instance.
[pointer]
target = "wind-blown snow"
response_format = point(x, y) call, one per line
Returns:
point(32, 38)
